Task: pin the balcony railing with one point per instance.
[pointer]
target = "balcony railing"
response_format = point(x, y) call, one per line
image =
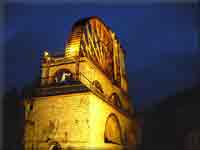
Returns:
point(61, 89)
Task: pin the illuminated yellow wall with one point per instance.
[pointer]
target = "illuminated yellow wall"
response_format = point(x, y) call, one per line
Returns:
point(69, 114)
point(79, 119)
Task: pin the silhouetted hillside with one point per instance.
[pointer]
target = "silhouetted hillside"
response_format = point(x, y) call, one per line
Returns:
point(167, 124)
point(12, 120)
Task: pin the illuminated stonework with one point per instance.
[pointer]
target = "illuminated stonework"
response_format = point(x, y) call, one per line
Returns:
point(82, 102)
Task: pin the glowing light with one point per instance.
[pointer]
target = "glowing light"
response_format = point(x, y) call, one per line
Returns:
point(46, 54)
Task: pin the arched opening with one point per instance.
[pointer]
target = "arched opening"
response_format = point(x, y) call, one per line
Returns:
point(97, 85)
point(115, 100)
point(63, 76)
point(112, 132)
point(54, 145)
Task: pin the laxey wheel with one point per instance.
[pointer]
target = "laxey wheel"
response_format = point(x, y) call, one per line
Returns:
point(93, 39)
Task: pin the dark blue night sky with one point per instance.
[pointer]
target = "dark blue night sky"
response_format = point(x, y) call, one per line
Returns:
point(161, 41)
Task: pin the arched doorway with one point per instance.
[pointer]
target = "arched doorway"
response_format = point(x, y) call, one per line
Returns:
point(112, 132)
point(115, 100)
point(63, 76)
point(98, 86)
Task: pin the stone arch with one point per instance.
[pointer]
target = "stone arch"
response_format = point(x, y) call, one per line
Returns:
point(54, 145)
point(112, 133)
point(63, 76)
point(97, 85)
point(115, 100)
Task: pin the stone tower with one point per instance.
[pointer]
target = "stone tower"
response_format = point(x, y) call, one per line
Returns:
point(82, 102)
